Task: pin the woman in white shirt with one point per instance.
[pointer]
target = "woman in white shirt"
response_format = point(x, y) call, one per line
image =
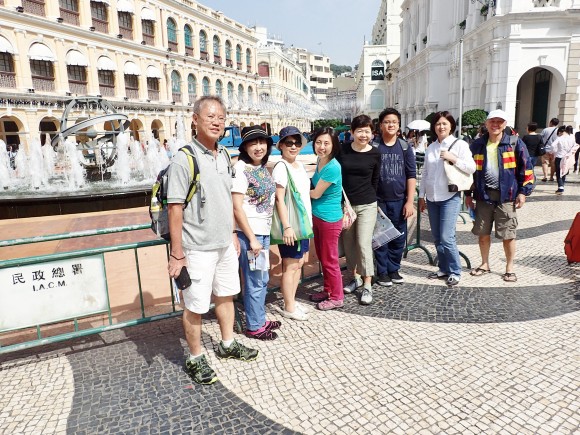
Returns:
point(563, 145)
point(293, 252)
point(434, 194)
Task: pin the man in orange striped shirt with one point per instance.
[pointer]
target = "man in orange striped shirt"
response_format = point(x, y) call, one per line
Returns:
point(503, 178)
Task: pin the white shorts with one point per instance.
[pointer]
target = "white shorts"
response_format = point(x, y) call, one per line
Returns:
point(210, 271)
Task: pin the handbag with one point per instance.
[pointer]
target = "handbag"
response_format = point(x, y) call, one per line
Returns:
point(457, 180)
point(298, 217)
point(384, 230)
point(348, 213)
point(541, 150)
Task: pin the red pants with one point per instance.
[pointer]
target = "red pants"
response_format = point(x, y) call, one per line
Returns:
point(326, 236)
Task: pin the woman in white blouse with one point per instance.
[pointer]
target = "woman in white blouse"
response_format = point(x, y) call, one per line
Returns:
point(434, 195)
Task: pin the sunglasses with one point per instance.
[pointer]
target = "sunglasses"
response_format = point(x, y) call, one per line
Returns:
point(290, 143)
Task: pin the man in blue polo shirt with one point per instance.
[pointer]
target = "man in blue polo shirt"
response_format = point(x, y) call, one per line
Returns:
point(395, 193)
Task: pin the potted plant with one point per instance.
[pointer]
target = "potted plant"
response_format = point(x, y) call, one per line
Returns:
point(462, 25)
point(425, 40)
point(484, 9)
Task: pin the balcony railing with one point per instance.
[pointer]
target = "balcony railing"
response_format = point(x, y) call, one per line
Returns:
point(43, 84)
point(249, 69)
point(203, 55)
point(239, 65)
point(69, 17)
point(126, 32)
point(192, 97)
point(176, 96)
point(153, 94)
point(78, 88)
point(188, 51)
point(229, 63)
point(35, 7)
point(100, 25)
point(132, 93)
point(149, 39)
point(217, 60)
point(173, 46)
point(107, 90)
point(7, 80)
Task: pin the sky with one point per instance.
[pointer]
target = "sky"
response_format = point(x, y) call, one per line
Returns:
point(335, 28)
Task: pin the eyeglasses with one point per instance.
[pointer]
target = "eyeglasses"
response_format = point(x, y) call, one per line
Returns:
point(290, 143)
point(212, 118)
point(390, 122)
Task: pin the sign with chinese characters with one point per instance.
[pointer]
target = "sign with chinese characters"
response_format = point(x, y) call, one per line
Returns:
point(49, 292)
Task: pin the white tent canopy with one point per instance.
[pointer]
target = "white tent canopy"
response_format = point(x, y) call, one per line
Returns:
point(104, 63)
point(75, 57)
point(6, 46)
point(131, 69)
point(153, 72)
point(40, 51)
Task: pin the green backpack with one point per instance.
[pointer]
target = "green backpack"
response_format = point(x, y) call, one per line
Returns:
point(158, 209)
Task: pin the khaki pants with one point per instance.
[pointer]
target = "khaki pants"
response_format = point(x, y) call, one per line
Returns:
point(358, 240)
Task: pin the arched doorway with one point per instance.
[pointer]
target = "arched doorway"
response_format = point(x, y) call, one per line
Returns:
point(135, 128)
point(48, 129)
point(10, 131)
point(538, 95)
point(157, 130)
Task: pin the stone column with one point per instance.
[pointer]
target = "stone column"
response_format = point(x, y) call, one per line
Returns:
point(93, 72)
point(569, 103)
point(60, 67)
point(21, 61)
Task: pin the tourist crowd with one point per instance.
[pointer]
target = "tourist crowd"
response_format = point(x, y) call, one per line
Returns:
point(238, 212)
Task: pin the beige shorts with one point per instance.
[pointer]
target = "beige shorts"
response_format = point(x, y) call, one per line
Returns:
point(214, 271)
point(504, 216)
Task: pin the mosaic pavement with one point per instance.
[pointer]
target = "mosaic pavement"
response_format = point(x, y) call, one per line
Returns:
point(486, 357)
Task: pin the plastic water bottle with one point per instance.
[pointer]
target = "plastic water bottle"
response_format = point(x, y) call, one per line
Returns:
point(155, 209)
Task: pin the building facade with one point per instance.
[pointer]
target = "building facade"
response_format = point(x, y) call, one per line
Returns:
point(519, 55)
point(151, 59)
point(317, 70)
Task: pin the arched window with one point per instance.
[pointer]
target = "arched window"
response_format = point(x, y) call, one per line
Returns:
point(229, 54)
point(249, 60)
point(239, 56)
point(250, 96)
point(192, 88)
point(188, 39)
point(377, 99)
point(216, 50)
point(202, 41)
point(176, 86)
point(172, 34)
point(219, 88)
point(240, 94)
point(205, 85)
point(230, 92)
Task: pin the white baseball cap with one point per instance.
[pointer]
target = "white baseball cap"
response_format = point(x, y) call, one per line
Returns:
point(498, 113)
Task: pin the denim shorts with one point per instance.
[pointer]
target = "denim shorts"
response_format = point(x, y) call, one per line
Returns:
point(293, 251)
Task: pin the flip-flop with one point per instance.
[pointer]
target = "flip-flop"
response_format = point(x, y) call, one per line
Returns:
point(479, 271)
point(509, 277)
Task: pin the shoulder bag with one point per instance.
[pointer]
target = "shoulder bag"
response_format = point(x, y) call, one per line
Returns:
point(298, 217)
point(348, 213)
point(457, 180)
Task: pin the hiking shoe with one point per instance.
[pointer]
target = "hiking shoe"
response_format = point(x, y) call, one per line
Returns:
point(437, 275)
point(200, 371)
point(329, 304)
point(366, 296)
point(236, 351)
point(452, 281)
point(396, 278)
point(272, 324)
point(384, 280)
point(262, 334)
point(319, 297)
point(353, 285)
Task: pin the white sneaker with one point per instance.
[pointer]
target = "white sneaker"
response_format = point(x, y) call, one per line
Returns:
point(307, 309)
point(298, 314)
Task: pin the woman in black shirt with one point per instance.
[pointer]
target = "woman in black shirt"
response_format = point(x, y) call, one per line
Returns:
point(533, 142)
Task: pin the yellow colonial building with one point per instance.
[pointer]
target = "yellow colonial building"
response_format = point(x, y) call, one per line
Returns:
point(151, 59)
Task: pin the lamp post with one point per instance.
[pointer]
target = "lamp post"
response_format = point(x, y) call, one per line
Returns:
point(460, 83)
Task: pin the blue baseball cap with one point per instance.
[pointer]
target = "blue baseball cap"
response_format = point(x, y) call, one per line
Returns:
point(291, 131)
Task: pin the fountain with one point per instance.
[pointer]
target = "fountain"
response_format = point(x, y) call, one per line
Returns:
point(92, 164)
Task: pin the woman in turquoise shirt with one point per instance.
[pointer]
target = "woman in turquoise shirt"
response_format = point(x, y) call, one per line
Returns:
point(326, 195)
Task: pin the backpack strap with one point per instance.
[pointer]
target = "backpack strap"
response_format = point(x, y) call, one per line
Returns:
point(193, 171)
point(404, 144)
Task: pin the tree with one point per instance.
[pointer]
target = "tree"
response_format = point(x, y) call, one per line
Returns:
point(327, 123)
point(474, 117)
point(339, 69)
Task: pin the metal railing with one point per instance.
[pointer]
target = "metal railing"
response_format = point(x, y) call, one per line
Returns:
point(34, 260)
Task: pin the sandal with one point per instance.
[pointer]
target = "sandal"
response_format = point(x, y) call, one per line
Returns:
point(479, 271)
point(509, 277)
